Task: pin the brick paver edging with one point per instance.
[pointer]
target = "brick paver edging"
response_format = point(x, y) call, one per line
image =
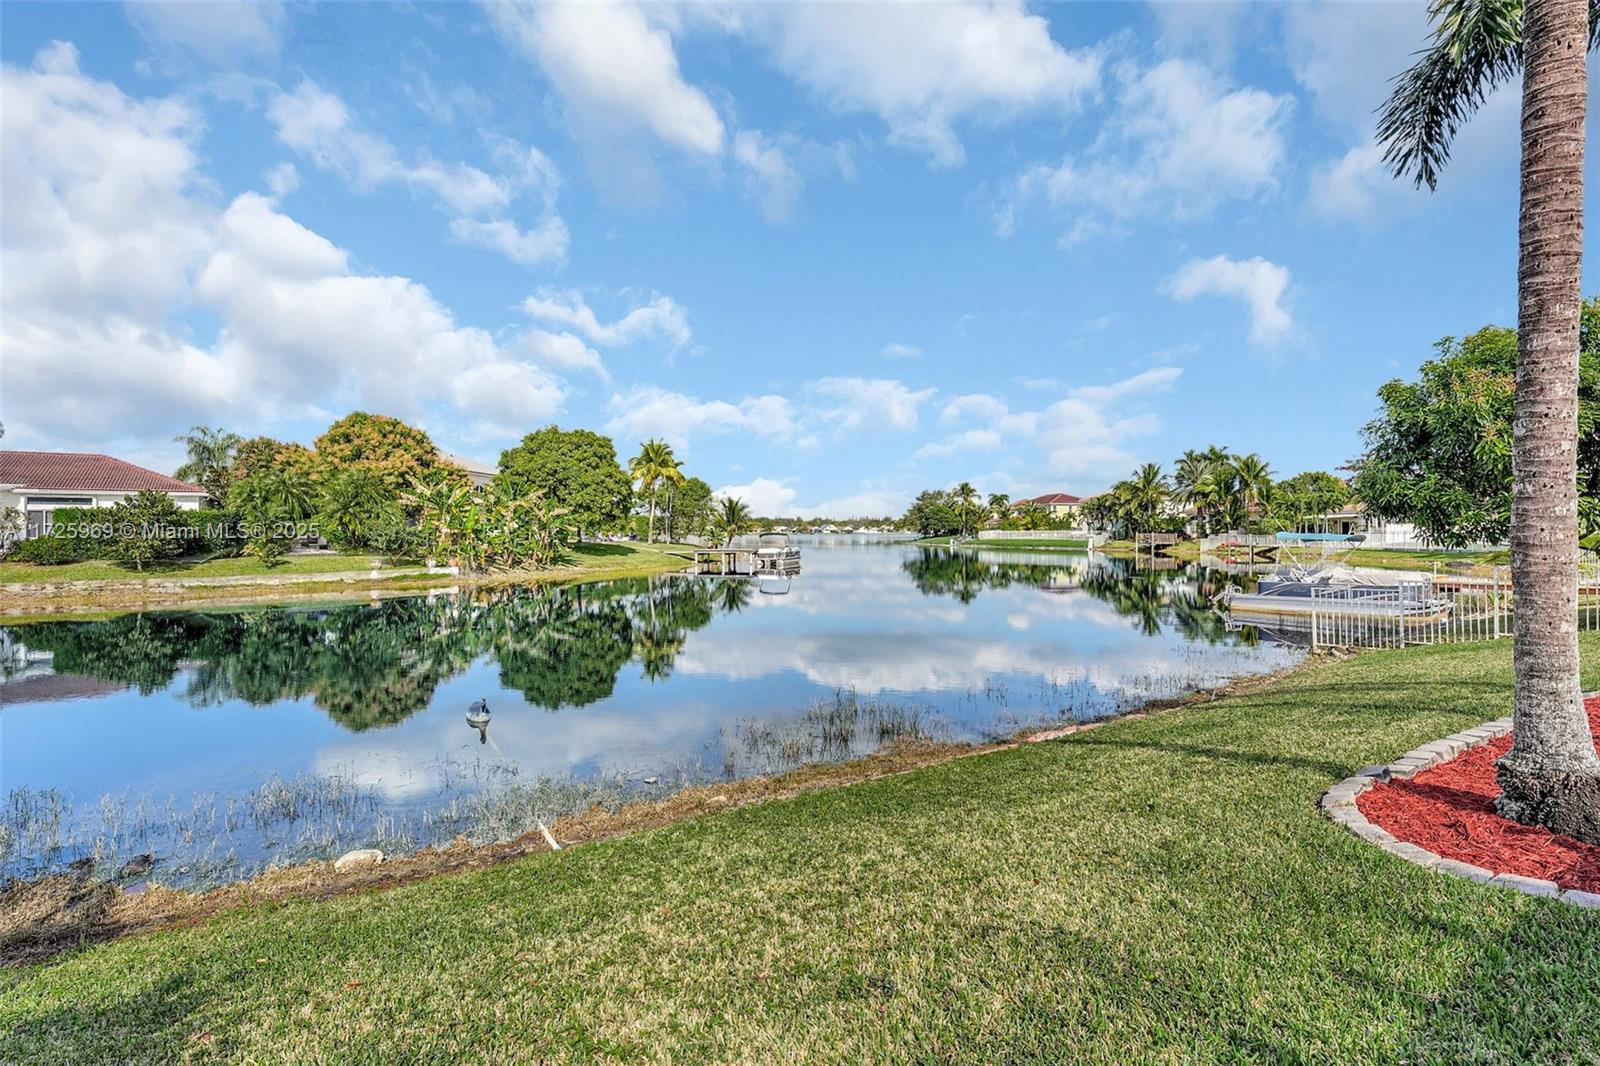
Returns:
point(1339, 803)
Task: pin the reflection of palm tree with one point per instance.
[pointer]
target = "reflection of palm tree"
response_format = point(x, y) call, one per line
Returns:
point(731, 595)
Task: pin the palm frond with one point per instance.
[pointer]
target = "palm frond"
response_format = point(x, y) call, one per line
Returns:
point(1476, 48)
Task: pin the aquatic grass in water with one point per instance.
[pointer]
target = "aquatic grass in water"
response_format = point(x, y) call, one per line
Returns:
point(829, 730)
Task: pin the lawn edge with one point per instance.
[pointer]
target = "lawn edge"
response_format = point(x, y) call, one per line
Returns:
point(161, 908)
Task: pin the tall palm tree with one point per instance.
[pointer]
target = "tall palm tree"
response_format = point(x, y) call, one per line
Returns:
point(673, 478)
point(653, 466)
point(1146, 493)
point(966, 498)
point(208, 453)
point(733, 518)
point(999, 504)
point(1253, 482)
point(1551, 775)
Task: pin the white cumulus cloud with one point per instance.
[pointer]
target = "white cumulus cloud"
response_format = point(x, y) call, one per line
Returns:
point(1178, 142)
point(661, 317)
point(110, 236)
point(650, 411)
point(852, 402)
point(1260, 284)
point(616, 71)
point(318, 124)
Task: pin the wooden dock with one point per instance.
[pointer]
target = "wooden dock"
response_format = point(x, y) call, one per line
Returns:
point(743, 562)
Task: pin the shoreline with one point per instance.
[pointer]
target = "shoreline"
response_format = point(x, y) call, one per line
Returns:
point(82, 600)
point(60, 912)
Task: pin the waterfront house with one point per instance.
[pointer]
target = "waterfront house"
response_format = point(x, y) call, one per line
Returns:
point(1353, 518)
point(1056, 504)
point(36, 484)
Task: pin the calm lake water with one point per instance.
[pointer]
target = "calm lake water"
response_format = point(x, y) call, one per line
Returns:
point(224, 741)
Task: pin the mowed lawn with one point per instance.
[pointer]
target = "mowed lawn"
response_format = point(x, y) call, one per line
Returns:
point(1158, 890)
point(598, 556)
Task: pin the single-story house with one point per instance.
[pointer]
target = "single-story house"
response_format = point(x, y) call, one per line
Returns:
point(37, 483)
point(1057, 504)
point(479, 471)
point(1379, 532)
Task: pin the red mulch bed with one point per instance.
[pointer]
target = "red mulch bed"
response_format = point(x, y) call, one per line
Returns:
point(1449, 810)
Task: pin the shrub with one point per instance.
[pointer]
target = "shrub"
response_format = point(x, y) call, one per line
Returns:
point(148, 529)
point(89, 528)
point(215, 532)
point(398, 542)
point(44, 551)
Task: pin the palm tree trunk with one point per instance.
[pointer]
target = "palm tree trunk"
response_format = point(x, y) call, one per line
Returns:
point(1551, 775)
point(650, 530)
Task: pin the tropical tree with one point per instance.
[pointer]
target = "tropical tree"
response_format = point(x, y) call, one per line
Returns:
point(1033, 516)
point(397, 452)
point(262, 455)
point(268, 505)
point(1252, 480)
point(1438, 455)
point(999, 504)
point(355, 504)
point(1305, 496)
point(1551, 775)
point(932, 514)
point(966, 501)
point(692, 508)
point(576, 469)
point(653, 467)
point(1144, 496)
point(733, 518)
point(147, 525)
point(490, 527)
point(208, 456)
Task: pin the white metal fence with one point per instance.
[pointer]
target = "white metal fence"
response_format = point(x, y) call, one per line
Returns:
point(1430, 609)
point(1033, 534)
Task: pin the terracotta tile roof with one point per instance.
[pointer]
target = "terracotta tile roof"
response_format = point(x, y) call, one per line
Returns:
point(82, 472)
point(1058, 498)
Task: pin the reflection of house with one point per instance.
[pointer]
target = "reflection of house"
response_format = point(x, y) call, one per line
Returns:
point(1056, 504)
point(37, 483)
point(480, 472)
point(1353, 518)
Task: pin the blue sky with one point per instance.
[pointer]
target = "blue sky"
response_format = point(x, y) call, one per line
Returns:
point(834, 253)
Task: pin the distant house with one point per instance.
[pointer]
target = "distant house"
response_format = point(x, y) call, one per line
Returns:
point(37, 483)
point(480, 472)
point(1353, 518)
point(1057, 504)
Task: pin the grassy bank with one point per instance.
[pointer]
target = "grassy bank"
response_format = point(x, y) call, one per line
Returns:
point(1161, 889)
point(1032, 543)
point(586, 562)
point(1189, 550)
point(235, 566)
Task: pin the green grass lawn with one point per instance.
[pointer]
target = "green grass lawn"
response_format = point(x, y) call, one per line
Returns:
point(1377, 557)
point(588, 555)
point(1158, 890)
point(236, 566)
point(1059, 543)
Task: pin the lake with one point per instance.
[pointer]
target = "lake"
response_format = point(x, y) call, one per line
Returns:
point(223, 741)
